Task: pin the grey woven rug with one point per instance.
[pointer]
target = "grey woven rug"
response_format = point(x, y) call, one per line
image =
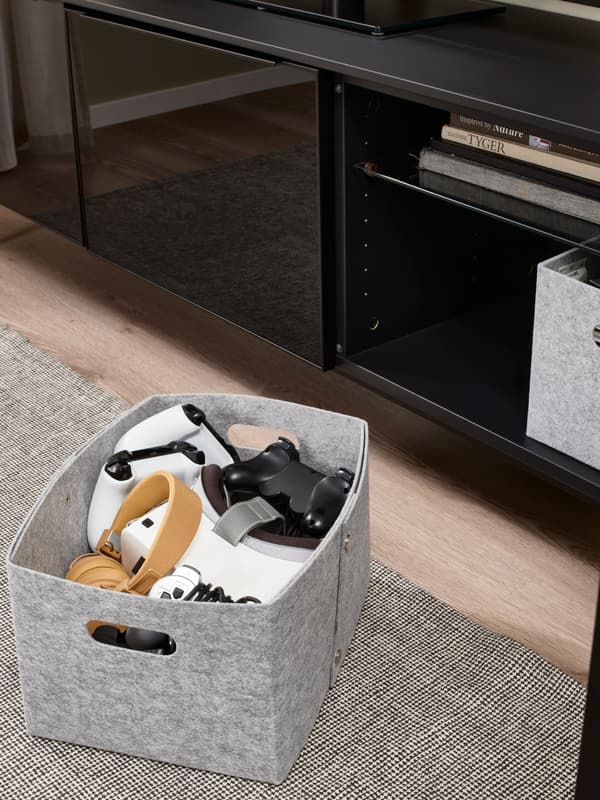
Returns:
point(216, 236)
point(428, 705)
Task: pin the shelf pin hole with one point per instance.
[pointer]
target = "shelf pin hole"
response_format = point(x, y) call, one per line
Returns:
point(374, 324)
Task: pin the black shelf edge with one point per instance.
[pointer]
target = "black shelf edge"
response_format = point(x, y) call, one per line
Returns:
point(563, 471)
point(536, 219)
point(482, 394)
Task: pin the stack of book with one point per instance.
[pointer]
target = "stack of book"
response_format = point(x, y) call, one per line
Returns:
point(522, 167)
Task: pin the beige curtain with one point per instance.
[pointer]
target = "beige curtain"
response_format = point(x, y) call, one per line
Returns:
point(34, 81)
point(8, 155)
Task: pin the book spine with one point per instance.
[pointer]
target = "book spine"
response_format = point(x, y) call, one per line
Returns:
point(573, 152)
point(489, 128)
point(505, 183)
point(520, 152)
point(539, 217)
point(522, 169)
point(524, 137)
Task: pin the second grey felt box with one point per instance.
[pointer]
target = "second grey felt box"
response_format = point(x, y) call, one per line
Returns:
point(565, 364)
point(243, 689)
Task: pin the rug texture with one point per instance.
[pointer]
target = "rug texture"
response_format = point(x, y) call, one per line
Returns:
point(241, 240)
point(428, 705)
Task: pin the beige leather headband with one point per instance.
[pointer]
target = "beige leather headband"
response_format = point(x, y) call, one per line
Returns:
point(176, 531)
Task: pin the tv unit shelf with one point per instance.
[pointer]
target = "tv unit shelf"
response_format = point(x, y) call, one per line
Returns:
point(471, 373)
point(439, 292)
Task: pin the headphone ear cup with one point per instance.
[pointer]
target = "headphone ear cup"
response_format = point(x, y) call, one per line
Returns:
point(212, 483)
point(93, 569)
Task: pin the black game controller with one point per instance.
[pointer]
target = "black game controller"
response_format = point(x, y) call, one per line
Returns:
point(309, 501)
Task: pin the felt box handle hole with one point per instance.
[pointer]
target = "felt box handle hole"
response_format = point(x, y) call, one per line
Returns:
point(256, 437)
point(126, 638)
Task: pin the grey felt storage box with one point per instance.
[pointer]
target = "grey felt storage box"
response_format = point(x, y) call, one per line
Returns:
point(565, 366)
point(246, 682)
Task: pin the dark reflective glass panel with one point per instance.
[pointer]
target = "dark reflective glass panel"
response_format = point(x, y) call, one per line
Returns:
point(202, 177)
point(38, 175)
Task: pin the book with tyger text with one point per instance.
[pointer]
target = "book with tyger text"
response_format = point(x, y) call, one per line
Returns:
point(522, 136)
point(512, 150)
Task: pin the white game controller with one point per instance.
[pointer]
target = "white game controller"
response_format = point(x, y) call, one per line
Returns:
point(178, 439)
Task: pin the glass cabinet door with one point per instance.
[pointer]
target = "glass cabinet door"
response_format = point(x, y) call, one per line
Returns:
point(201, 175)
point(38, 175)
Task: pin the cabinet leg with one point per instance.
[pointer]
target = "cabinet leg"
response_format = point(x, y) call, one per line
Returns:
point(588, 777)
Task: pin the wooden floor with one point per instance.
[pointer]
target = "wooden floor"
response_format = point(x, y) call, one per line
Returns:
point(501, 545)
point(504, 547)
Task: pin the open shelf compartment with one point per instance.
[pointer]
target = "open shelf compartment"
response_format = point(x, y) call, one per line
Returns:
point(440, 291)
point(471, 373)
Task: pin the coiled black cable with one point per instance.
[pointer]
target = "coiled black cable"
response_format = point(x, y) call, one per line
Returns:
point(207, 593)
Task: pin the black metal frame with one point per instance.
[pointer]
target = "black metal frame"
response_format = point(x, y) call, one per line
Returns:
point(327, 176)
point(588, 776)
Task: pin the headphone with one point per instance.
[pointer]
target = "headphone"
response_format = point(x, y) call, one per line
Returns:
point(178, 527)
